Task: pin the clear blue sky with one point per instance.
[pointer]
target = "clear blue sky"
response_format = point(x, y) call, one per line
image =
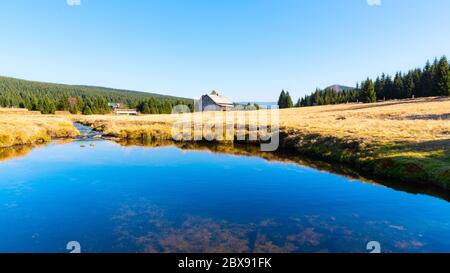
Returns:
point(246, 49)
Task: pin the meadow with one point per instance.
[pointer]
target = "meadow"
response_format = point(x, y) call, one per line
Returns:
point(22, 127)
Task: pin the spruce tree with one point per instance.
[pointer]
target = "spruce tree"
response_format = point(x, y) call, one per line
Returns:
point(281, 100)
point(398, 86)
point(433, 71)
point(87, 110)
point(426, 81)
point(146, 109)
point(408, 86)
point(441, 79)
point(288, 101)
point(368, 91)
point(74, 110)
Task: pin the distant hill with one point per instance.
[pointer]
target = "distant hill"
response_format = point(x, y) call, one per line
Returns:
point(261, 104)
point(49, 97)
point(339, 88)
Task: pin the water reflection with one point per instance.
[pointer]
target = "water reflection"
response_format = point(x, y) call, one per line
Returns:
point(13, 152)
point(200, 198)
point(252, 150)
point(249, 150)
point(17, 151)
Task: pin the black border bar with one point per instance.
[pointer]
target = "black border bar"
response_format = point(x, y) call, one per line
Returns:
point(222, 262)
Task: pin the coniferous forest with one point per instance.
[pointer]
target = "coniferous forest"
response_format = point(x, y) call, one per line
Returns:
point(50, 97)
point(432, 80)
point(285, 100)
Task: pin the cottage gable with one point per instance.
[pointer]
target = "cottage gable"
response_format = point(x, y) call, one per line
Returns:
point(214, 102)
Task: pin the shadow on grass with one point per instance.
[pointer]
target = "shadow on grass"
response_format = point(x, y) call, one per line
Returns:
point(427, 117)
point(427, 146)
point(423, 163)
point(394, 102)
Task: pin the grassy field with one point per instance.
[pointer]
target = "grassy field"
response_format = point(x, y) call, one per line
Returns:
point(408, 140)
point(21, 127)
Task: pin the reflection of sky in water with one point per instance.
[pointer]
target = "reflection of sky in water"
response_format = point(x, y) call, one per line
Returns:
point(111, 198)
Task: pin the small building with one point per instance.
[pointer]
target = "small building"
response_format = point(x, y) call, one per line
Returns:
point(214, 102)
point(117, 110)
point(132, 112)
point(114, 105)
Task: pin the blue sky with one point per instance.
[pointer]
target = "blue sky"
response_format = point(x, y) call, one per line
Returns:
point(246, 49)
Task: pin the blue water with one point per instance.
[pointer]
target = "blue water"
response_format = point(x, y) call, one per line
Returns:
point(111, 198)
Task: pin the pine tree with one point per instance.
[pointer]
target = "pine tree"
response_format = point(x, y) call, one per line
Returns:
point(74, 110)
point(441, 79)
point(408, 86)
point(379, 87)
point(47, 106)
point(288, 101)
point(87, 110)
point(146, 109)
point(368, 91)
point(398, 86)
point(63, 104)
point(51, 108)
point(433, 71)
point(80, 103)
point(281, 100)
point(426, 81)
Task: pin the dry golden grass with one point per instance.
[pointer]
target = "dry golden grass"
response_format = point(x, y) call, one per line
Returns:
point(407, 121)
point(26, 128)
point(411, 121)
point(18, 111)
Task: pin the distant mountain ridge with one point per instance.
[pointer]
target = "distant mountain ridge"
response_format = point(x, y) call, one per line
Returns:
point(50, 97)
point(83, 88)
point(339, 88)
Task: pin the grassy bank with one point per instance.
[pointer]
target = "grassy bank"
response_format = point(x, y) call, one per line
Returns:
point(407, 140)
point(25, 128)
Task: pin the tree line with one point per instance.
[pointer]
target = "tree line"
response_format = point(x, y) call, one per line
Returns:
point(49, 97)
point(431, 80)
point(158, 106)
point(285, 100)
